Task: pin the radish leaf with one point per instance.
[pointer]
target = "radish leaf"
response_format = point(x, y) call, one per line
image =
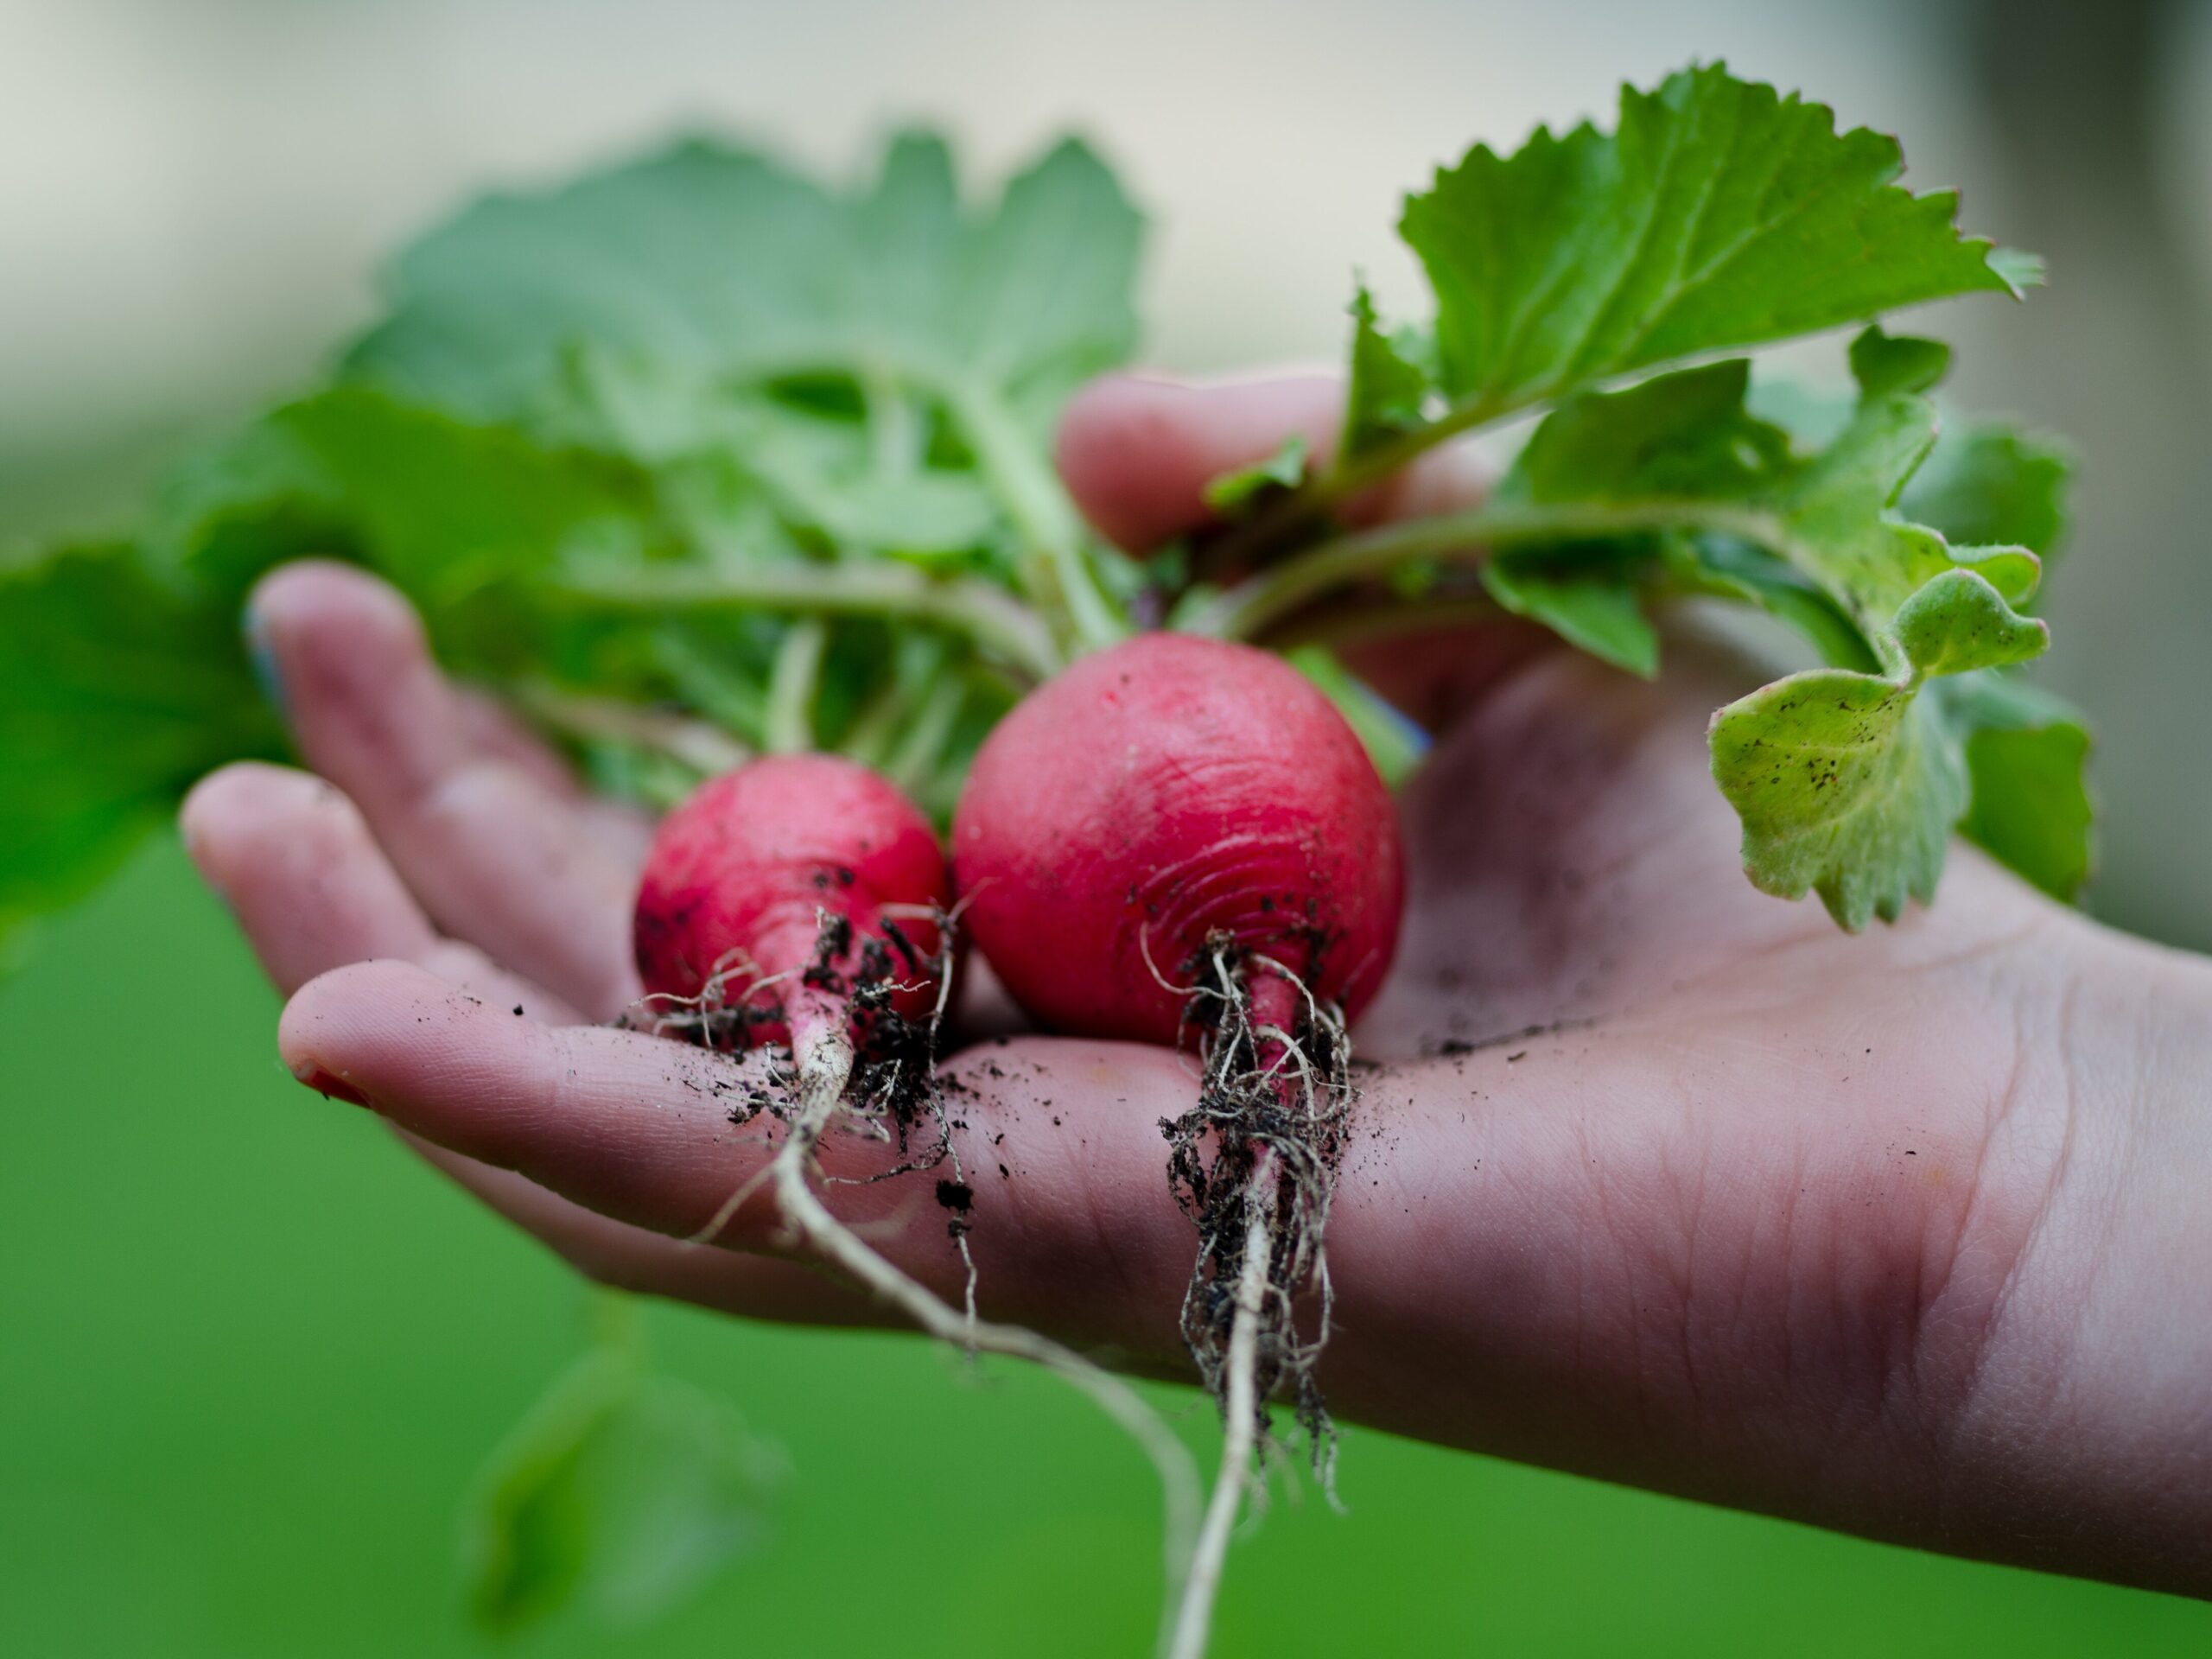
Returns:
point(1849, 784)
point(1718, 214)
point(723, 263)
point(118, 689)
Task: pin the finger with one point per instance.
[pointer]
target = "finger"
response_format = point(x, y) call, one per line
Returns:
point(624, 1257)
point(495, 855)
point(1074, 1228)
point(312, 891)
point(492, 729)
point(1137, 452)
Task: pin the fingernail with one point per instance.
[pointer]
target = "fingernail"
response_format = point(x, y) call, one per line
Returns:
point(261, 656)
point(328, 1084)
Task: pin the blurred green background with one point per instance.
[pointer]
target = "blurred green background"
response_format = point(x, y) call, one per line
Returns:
point(251, 1354)
point(254, 1352)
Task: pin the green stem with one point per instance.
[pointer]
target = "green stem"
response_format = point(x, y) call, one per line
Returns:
point(895, 436)
point(874, 729)
point(1251, 609)
point(918, 752)
point(1313, 502)
point(1056, 571)
point(792, 686)
point(697, 744)
point(999, 625)
point(1344, 627)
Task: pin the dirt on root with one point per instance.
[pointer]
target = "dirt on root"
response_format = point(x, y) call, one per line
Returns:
point(1258, 1097)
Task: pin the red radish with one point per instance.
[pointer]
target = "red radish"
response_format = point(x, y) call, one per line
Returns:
point(1178, 833)
point(1160, 796)
point(740, 877)
point(795, 900)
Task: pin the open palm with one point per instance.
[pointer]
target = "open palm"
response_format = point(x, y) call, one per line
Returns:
point(1660, 1179)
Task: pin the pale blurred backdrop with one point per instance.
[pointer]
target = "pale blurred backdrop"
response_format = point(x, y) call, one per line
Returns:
point(194, 194)
point(249, 1351)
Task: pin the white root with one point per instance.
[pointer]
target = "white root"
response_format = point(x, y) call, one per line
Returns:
point(1240, 1414)
point(824, 1062)
point(1274, 1104)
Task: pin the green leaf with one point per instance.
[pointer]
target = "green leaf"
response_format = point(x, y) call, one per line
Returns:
point(1233, 492)
point(1683, 436)
point(1987, 483)
point(440, 507)
point(719, 263)
point(2027, 753)
point(1849, 778)
point(1960, 622)
point(118, 691)
point(1839, 528)
point(1718, 214)
point(1589, 598)
point(1387, 389)
point(1984, 483)
point(1884, 363)
point(943, 341)
point(1726, 567)
point(622, 1493)
point(1043, 301)
point(1849, 784)
point(1811, 539)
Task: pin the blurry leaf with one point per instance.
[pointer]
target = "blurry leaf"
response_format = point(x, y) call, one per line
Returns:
point(622, 1493)
point(1843, 535)
point(1234, 492)
point(1817, 543)
point(1592, 601)
point(437, 506)
point(1726, 566)
point(1883, 363)
point(1718, 214)
point(1387, 389)
point(1990, 484)
point(118, 691)
point(2026, 755)
point(721, 264)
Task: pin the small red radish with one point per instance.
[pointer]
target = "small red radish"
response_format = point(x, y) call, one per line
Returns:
point(742, 876)
point(1181, 834)
point(1161, 797)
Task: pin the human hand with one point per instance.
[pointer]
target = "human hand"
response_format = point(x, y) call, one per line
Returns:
point(1898, 1233)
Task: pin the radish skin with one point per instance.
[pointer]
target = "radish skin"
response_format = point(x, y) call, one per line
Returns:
point(1156, 796)
point(741, 875)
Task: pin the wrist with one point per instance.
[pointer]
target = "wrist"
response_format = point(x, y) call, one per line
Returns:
point(2082, 1440)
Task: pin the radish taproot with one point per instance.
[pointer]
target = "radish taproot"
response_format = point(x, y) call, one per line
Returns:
point(801, 901)
point(1181, 836)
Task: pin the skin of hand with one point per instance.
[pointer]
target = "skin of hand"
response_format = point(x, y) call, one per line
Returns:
point(1902, 1234)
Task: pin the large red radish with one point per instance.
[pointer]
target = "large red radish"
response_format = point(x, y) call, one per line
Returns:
point(1179, 838)
point(1162, 799)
